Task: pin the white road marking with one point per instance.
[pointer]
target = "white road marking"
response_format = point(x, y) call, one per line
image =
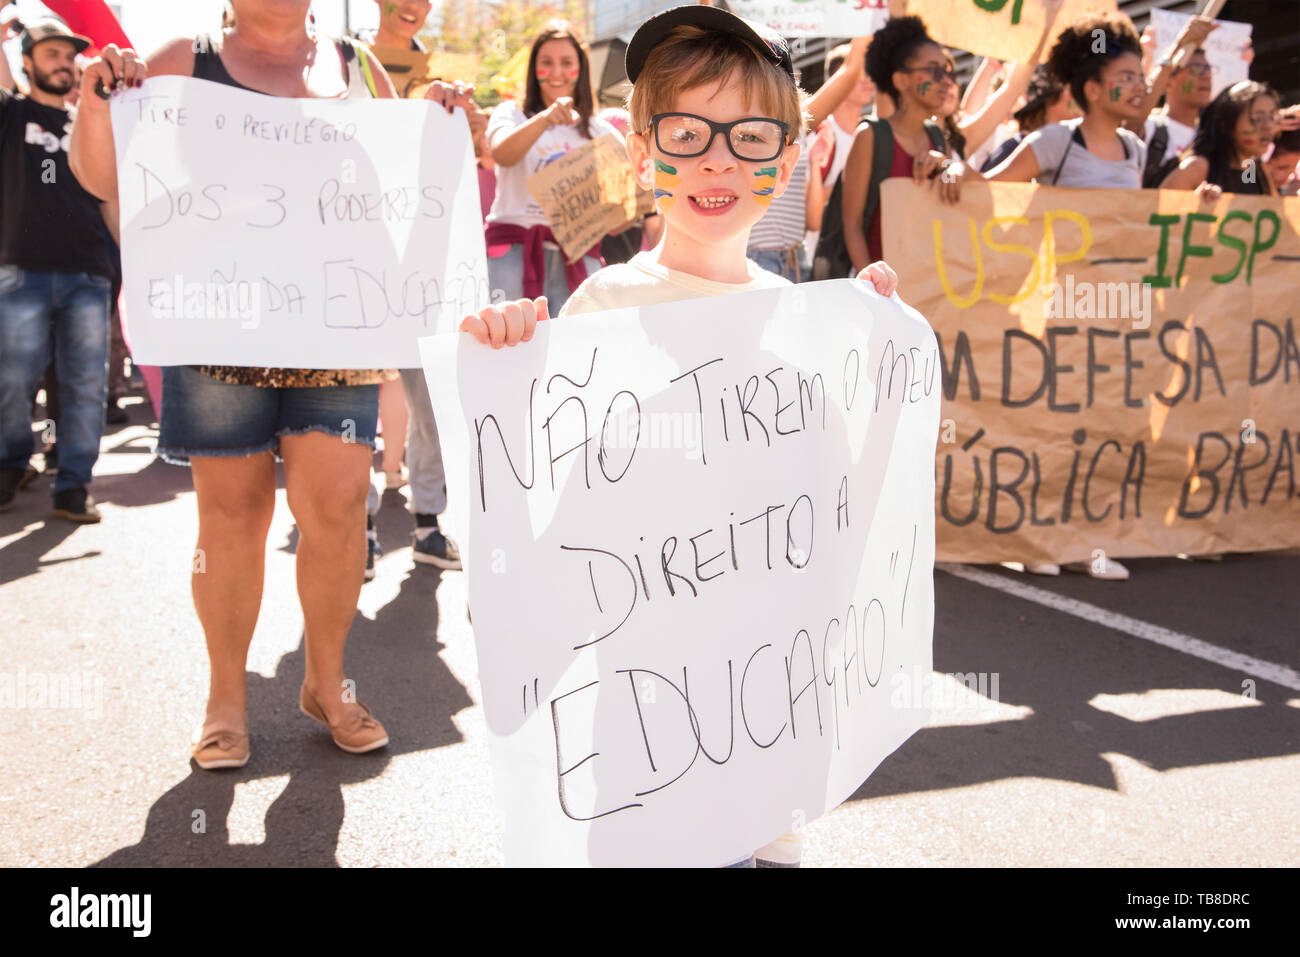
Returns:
point(1255, 667)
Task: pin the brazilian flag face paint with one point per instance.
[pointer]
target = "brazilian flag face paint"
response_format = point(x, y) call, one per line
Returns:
point(666, 182)
point(764, 185)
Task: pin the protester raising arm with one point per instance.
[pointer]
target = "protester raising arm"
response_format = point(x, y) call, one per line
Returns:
point(997, 107)
point(1189, 40)
point(9, 28)
point(822, 103)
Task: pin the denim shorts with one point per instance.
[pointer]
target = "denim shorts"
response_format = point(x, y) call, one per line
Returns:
point(205, 417)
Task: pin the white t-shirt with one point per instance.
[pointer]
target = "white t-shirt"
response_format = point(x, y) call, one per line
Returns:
point(843, 143)
point(1180, 136)
point(641, 281)
point(1052, 146)
point(513, 203)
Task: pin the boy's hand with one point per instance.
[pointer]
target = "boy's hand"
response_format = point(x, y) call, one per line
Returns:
point(509, 323)
point(881, 275)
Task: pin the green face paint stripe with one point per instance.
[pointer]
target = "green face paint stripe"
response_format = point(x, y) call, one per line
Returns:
point(925, 87)
point(663, 167)
point(1115, 93)
point(766, 171)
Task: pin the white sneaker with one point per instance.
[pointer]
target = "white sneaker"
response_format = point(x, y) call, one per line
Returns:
point(1043, 568)
point(1106, 569)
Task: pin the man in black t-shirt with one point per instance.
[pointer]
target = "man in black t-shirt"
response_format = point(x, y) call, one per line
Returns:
point(54, 277)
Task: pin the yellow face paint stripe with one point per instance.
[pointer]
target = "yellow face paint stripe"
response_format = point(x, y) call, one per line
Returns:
point(666, 181)
point(764, 185)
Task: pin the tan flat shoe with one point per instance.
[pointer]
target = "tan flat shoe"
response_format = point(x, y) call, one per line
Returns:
point(219, 749)
point(357, 734)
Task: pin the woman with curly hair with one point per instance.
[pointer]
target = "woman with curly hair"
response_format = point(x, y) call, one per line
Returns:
point(1232, 136)
point(905, 63)
point(1099, 60)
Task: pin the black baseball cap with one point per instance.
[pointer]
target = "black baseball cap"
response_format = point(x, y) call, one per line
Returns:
point(766, 41)
point(50, 29)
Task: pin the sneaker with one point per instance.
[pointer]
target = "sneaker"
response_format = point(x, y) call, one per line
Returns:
point(1105, 569)
point(430, 546)
point(1042, 568)
point(75, 504)
point(11, 482)
point(373, 551)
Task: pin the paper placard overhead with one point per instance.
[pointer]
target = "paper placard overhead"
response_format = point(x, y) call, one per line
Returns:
point(816, 18)
point(700, 560)
point(1224, 47)
point(312, 233)
point(1121, 371)
point(1005, 29)
point(589, 192)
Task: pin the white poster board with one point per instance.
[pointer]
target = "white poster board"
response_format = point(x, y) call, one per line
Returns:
point(816, 18)
point(700, 553)
point(319, 234)
point(1223, 47)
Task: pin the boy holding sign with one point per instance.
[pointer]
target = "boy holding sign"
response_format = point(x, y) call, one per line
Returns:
point(715, 113)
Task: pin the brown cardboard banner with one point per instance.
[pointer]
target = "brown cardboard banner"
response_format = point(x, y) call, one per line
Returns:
point(413, 72)
point(589, 192)
point(1120, 369)
point(1005, 29)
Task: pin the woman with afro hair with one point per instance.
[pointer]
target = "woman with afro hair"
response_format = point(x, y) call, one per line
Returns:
point(913, 70)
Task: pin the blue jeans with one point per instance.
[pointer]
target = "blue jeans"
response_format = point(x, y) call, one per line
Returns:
point(72, 309)
point(506, 273)
point(777, 261)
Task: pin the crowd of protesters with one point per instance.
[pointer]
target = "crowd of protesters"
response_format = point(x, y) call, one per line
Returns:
point(1078, 113)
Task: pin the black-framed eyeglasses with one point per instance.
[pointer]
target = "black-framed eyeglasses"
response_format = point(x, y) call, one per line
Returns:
point(937, 73)
point(753, 139)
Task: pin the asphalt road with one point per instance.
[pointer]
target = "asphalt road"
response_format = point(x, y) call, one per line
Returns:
point(1103, 748)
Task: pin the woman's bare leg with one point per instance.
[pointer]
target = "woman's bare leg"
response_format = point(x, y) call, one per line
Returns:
point(236, 498)
point(327, 480)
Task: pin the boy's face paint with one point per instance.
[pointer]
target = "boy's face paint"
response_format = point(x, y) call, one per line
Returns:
point(924, 89)
point(711, 201)
point(764, 185)
point(666, 181)
point(1189, 87)
point(1115, 93)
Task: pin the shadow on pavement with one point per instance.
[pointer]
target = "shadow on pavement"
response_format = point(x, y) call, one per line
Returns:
point(1057, 676)
point(23, 556)
point(395, 662)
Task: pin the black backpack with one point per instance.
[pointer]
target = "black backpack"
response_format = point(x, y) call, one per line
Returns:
point(1154, 173)
point(831, 258)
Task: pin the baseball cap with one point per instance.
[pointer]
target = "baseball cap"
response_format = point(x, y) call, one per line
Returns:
point(769, 43)
point(49, 29)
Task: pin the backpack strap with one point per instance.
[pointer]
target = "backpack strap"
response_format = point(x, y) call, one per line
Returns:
point(882, 158)
point(1156, 152)
point(935, 132)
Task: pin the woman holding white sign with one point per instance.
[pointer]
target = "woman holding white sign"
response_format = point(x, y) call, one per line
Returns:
point(229, 423)
point(524, 258)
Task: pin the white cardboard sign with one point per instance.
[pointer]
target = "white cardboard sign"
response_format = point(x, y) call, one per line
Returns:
point(1223, 47)
point(816, 18)
point(302, 233)
point(700, 552)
